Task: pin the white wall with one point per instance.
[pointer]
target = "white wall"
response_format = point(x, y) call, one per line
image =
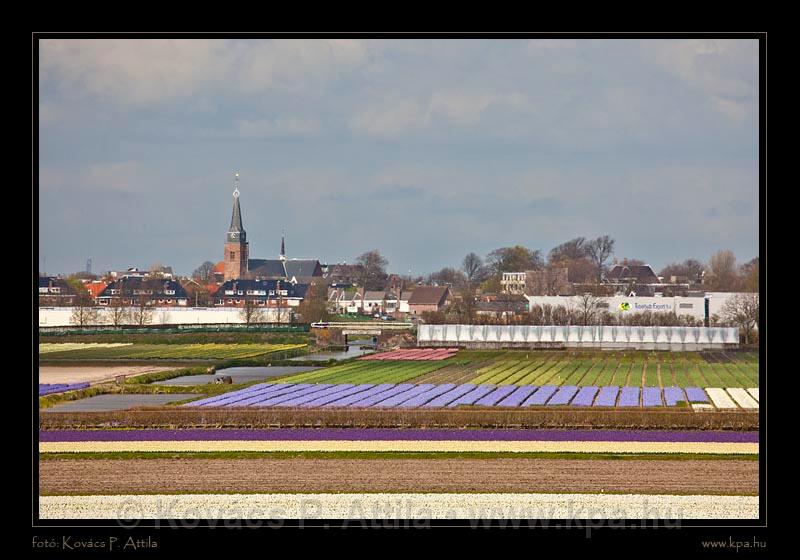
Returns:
point(60, 316)
point(637, 304)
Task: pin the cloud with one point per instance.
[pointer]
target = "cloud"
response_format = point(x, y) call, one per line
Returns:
point(49, 113)
point(725, 70)
point(453, 107)
point(536, 45)
point(138, 72)
point(131, 71)
point(392, 119)
point(294, 65)
point(277, 127)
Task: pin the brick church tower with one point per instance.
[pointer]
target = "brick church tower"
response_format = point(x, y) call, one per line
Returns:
point(236, 246)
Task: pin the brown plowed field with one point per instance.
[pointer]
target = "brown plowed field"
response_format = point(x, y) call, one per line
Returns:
point(152, 476)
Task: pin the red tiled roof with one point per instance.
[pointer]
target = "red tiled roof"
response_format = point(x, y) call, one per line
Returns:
point(219, 268)
point(95, 289)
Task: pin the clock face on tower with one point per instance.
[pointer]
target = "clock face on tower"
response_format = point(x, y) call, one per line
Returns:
point(236, 237)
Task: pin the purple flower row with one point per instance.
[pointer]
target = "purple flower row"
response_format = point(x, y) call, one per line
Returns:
point(407, 395)
point(50, 388)
point(377, 434)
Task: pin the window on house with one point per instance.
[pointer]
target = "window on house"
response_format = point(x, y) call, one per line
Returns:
point(686, 305)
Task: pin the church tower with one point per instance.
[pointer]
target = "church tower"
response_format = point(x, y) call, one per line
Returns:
point(236, 247)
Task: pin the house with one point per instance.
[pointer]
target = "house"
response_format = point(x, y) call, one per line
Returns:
point(263, 293)
point(346, 300)
point(94, 287)
point(428, 298)
point(513, 282)
point(54, 292)
point(374, 302)
point(402, 303)
point(631, 274)
point(135, 290)
point(343, 274)
point(129, 272)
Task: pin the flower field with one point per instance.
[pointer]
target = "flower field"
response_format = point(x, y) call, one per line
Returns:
point(381, 394)
point(52, 388)
point(414, 354)
point(399, 506)
point(48, 347)
point(390, 434)
point(590, 369)
point(161, 351)
point(369, 372)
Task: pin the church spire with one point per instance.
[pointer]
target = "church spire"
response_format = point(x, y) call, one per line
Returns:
point(283, 245)
point(236, 217)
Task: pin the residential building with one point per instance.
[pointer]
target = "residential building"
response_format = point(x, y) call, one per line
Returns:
point(264, 293)
point(55, 292)
point(631, 274)
point(135, 290)
point(428, 298)
point(513, 282)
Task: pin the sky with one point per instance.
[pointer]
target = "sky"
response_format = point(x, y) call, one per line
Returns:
point(423, 149)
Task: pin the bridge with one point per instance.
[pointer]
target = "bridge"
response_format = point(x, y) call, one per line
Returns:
point(368, 328)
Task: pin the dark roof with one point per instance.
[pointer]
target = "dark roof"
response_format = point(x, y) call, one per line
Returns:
point(302, 267)
point(640, 273)
point(428, 295)
point(159, 286)
point(52, 281)
point(266, 268)
point(293, 290)
point(276, 268)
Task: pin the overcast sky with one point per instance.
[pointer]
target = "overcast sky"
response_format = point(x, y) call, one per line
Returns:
point(425, 150)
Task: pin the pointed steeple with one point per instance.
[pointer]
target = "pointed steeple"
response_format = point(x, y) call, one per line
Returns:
point(236, 217)
point(236, 233)
point(282, 256)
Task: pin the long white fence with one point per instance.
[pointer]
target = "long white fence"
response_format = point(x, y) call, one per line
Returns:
point(604, 337)
point(62, 316)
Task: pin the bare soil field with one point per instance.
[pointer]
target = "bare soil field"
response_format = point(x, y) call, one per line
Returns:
point(153, 476)
point(93, 374)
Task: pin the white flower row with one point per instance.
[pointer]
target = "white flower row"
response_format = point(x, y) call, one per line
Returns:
point(400, 445)
point(129, 509)
point(47, 347)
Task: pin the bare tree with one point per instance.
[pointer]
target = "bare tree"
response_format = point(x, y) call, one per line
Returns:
point(204, 271)
point(143, 310)
point(314, 306)
point(722, 271)
point(251, 313)
point(83, 310)
point(118, 313)
point(742, 310)
point(599, 251)
point(587, 308)
point(373, 270)
point(473, 268)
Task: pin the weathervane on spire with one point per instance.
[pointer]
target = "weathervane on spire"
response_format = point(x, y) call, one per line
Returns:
point(236, 187)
